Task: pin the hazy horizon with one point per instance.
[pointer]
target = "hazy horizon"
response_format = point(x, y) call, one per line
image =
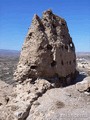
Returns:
point(20, 51)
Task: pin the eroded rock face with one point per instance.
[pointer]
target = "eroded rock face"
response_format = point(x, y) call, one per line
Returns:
point(48, 50)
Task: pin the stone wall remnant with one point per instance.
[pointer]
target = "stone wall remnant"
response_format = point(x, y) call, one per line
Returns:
point(48, 50)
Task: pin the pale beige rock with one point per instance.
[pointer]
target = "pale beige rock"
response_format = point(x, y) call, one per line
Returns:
point(27, 94)
point(83, 85)
point(48, 50)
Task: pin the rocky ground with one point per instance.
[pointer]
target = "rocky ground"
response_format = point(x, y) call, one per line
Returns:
point(39, 100)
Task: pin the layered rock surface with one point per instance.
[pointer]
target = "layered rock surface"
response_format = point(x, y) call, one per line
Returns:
point(21, 99)
point(37, 101)
point(48, 50)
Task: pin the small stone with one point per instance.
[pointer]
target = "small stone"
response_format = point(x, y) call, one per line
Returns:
point(36, 103)
point(14, 108)
point(87, 93)
point(18, 114)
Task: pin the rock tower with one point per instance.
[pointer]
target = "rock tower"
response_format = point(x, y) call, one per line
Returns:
point(48, 50)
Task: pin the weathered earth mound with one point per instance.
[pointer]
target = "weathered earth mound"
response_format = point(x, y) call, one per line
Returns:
point(48, 50)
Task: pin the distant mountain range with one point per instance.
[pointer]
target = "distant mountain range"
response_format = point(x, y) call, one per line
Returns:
point(83, 53)
point(9, 52)
point(17, 53)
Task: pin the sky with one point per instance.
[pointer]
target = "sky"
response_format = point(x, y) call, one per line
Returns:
point(16, 17)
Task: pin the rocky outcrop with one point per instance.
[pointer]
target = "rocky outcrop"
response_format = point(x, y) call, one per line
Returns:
point(48, 50)
point(47, 60)
point(84, 85)
point(36, 101)
point(24, 95)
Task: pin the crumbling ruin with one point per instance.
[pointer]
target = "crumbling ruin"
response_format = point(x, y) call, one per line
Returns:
point(47, 60)
point(48, 50)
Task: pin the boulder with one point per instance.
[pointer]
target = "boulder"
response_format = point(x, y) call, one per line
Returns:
point(83, 85)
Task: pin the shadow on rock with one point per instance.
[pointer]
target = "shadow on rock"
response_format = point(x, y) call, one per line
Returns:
point(79, 78)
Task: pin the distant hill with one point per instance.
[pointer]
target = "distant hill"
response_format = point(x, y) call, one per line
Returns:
point(85, 55)
point(13, 53)
point(82, 53)
point(9, 53)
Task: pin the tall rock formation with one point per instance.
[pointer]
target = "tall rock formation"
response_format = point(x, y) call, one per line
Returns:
point(48, 50)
